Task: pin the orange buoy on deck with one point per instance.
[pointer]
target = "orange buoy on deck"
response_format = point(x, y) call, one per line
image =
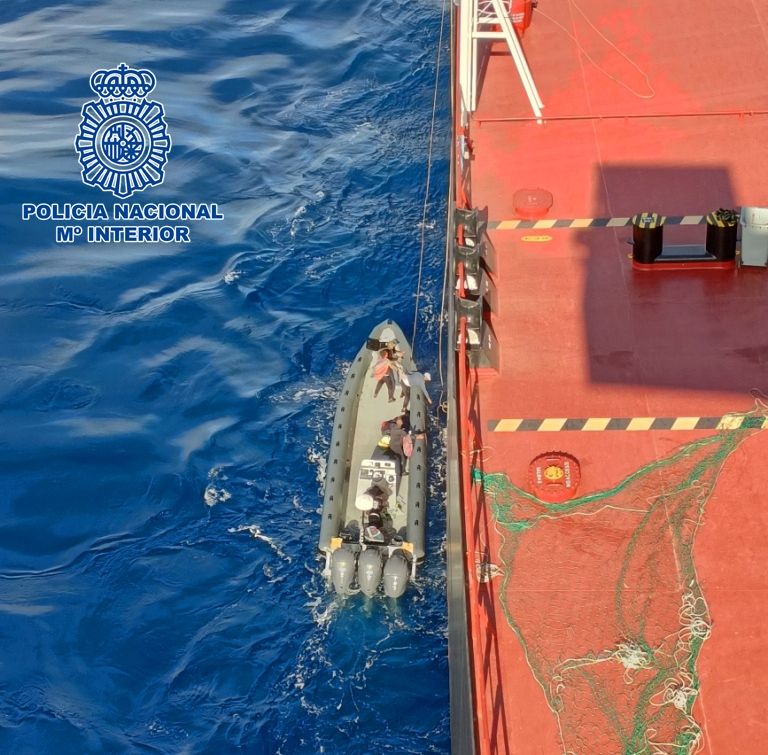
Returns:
point(554, 476)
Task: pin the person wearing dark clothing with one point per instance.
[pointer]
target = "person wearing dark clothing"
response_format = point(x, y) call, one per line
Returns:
point(397, 435)
point(380, 491)
point(394, 352)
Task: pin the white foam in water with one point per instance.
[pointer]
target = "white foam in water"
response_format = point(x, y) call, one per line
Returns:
point(318, 458)
point(317, 453)
point(300, 223)
point(214, 495)
point(326, 391)
point(321, 609)
point(213, 492)
point(232, 275)
point(255, 530)
point(269, 573)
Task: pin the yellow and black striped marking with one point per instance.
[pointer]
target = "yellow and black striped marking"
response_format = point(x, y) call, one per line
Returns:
point(599, 424)
point(715, 218)
point(648, 220)
point(512, 225)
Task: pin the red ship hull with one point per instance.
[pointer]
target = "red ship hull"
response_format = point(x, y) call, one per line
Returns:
point(628, 618)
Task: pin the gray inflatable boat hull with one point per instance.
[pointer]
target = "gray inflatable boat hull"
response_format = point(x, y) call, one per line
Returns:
point(356, 432)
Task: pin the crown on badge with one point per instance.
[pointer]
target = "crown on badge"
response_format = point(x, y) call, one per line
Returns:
point(123, 81)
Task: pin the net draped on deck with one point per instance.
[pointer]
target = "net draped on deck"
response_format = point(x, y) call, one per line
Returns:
point(603, 595)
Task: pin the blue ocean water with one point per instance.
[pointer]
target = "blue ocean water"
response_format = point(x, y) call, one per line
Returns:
point(165, 410)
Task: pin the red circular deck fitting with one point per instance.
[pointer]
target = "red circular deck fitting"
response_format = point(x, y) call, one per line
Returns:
point(554, 476)
point(531, 204)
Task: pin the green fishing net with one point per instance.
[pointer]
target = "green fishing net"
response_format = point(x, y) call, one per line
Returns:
point(603, 595)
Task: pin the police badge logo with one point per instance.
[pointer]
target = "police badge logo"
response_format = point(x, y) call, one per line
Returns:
point(123, 142)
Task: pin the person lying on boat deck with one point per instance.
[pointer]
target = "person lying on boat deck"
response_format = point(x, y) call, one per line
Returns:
point(387, 371)
point(414, 379)
point(396, 356)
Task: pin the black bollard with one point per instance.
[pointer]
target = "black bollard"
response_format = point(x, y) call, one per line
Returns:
point(647, 237)
point(722, 227)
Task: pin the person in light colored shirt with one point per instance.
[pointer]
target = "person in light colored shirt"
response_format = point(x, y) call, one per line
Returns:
point(414, 380)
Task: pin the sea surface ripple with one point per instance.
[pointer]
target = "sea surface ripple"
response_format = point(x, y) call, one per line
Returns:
point(165, 410)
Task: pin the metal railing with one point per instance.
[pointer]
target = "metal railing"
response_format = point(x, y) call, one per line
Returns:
point(473, 649)
point(486, 669)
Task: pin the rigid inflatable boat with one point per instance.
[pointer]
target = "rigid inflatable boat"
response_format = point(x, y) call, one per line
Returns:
point(374, 512)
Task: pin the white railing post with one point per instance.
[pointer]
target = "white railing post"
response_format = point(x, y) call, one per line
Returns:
point(467, 54)
point(519, 57)
point(475, 14)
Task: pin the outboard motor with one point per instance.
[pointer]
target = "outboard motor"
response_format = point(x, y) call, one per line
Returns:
point(395, 575)
point(342, 570)
point(369, 571)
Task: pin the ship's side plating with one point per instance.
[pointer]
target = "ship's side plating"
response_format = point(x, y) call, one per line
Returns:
point(609, 206)
point(461, 703)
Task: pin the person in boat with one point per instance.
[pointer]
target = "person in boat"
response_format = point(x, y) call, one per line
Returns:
point(398, 439)
point(383, 372)
point(388, 369)
point(373, 505)
point(375, 498)
point(379, 490)
point(416, 380)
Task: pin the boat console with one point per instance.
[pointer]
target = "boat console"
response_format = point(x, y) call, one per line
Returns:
point(376, 482)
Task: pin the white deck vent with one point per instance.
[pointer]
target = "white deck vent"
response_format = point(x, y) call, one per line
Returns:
point(754, 236)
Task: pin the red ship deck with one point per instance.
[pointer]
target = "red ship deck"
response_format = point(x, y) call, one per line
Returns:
point(646, 108)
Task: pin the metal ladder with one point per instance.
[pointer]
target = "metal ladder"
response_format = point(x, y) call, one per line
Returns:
point(478, 21)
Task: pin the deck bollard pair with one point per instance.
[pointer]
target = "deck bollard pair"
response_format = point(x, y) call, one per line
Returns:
point(720, 246)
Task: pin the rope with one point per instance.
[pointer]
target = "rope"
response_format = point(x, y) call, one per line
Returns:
point(447, 269)
point(651, 91)
point(429, 176)
point(448, 250)
point(447, 278)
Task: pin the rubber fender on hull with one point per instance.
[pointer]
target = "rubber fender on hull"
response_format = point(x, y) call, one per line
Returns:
point(342, 570)
point(395, 576)
point(369, 571)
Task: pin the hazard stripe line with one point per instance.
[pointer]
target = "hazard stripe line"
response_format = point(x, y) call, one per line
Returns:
point(629, 424)
point(512, 225)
